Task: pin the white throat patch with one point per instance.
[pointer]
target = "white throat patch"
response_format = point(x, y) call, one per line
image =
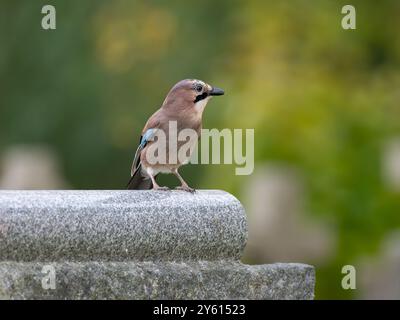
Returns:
point(200, 105)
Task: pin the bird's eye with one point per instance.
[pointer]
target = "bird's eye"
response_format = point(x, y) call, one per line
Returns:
point(198, 87)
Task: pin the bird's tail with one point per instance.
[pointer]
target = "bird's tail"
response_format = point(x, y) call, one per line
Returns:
point(139, 182)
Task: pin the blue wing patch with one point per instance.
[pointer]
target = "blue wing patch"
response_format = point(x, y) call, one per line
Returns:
point(147, 136)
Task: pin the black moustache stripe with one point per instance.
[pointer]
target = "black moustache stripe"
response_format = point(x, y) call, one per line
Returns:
point(201, 97)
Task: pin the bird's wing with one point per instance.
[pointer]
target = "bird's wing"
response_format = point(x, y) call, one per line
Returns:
point(147, 136)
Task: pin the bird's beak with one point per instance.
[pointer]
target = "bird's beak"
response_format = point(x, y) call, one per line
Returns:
point(216, 91)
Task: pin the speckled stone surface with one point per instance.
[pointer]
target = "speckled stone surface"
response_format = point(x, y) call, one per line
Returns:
point(162, 280)
point(135, 245)
point(120, 226)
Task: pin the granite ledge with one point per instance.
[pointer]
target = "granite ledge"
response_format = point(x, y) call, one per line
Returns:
point(113, 225)
point(162, 280)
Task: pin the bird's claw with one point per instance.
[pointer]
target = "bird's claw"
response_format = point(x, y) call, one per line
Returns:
point(186, 188)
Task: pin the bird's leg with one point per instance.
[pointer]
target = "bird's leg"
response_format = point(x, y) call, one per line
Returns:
point(155, 184)
point(184, 185)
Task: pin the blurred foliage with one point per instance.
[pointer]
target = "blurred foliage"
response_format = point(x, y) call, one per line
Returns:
point(320, 98)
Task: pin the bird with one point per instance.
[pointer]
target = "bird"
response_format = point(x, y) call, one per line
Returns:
point(184, 106)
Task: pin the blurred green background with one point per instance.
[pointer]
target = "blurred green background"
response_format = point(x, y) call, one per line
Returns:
point(321, 99)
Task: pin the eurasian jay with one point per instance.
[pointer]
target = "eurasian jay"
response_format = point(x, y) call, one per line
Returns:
point(183, 106)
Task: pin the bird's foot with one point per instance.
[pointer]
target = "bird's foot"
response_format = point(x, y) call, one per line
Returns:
point(158, 188)
point(186, 188)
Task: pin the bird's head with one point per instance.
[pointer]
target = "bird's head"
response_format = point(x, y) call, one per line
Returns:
point(191, 93)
